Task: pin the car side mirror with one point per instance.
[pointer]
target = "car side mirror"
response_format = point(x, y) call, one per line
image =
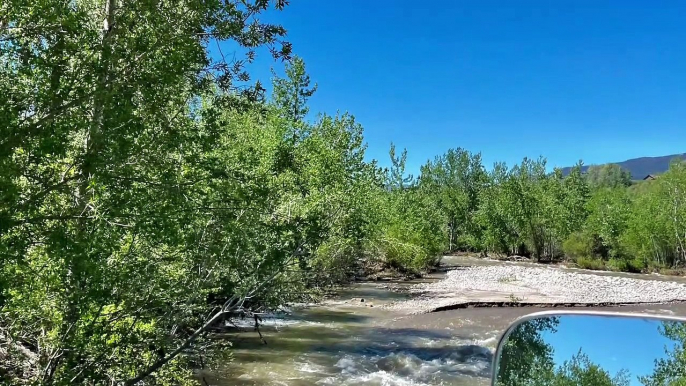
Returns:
point(592, 348)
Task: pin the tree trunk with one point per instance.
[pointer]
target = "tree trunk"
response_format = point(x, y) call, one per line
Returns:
point(100, 98)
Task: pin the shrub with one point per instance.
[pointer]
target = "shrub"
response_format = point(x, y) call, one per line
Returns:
point(617, 265)
point(590, 263)
point(637, 265)
point(406, 256)
point(577, 245)
point(634, 265)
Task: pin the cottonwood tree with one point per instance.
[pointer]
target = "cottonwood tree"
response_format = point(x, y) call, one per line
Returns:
point(108, 253)
point(456, 180)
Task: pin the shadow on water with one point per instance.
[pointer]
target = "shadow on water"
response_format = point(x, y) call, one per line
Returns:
point(347, 342)
point(347, 348)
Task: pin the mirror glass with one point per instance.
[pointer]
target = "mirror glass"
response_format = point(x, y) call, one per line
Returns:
point(564, 350)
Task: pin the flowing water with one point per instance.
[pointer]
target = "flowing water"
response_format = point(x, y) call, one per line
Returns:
point(353, 342)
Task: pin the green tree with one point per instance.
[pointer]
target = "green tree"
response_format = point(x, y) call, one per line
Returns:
point(116, 209)
point(670, 370)
point(526, 359)
point(609, 210)
point(291, 93)
point(608, 176)
point(579, 370)
point(495, 216)
point(526, 197)
point(655, 225)
point(456, 180)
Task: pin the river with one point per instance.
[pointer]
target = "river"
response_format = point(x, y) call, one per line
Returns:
point(353, 341)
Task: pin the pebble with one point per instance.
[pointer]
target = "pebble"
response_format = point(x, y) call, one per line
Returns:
point(560, 285)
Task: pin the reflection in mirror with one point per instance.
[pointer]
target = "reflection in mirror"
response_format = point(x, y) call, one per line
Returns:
point(575, 349)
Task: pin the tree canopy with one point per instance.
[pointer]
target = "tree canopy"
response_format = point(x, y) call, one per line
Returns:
point(151, 190)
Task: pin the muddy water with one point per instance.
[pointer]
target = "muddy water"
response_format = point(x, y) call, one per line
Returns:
point(354, 342)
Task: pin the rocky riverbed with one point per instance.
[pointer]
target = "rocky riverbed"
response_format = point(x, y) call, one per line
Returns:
point(385, 333)
point(525, 285)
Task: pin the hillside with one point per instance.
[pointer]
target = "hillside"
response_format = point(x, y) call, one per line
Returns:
point(641, 167)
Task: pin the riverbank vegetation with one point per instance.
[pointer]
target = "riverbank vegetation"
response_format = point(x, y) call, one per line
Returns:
point(151, 191)
point(599, 220)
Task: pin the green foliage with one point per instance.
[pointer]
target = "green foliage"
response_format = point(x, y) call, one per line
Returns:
point(146, 193)
point(608, 176)
point(525, 210)
point(578, 245)
point(454, 181)
point(579, 370)
point(413, 234)
point(525, 356)
point(526, 359)
point(528, 211)
point(609, 213)
point(590, 263)
point(670, 369)
point(655, 227)
point(127, 205)
point(146, 196)
point(635, 265)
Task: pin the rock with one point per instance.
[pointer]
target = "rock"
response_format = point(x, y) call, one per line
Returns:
point(361, 300)
point(547, 284)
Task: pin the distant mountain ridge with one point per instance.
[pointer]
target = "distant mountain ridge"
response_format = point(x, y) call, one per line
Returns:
point(641, 167)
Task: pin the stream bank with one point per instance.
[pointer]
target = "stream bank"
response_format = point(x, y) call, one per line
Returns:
point(366, 336)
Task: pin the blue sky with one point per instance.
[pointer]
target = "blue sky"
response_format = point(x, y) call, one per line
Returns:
point(612, 343)
point(585, 79)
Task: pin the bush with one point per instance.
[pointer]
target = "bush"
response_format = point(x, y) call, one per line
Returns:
point(407, 256)
point(634, 265)
point(577, 245)
point(590, 263)
point(637, 265)
point(617, 265)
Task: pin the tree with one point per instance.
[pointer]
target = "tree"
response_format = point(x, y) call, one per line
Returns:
point(526, 359)
point(609, 208)
point(291, 93)
point(494, 214)
point(109, 250)
point(608, 176)
point(577, 193)
point(670, 370)
point(525, 192)
point(456, 180)
point(655, 225)
point(396, 175)
point(411, 236)
point(579, 370)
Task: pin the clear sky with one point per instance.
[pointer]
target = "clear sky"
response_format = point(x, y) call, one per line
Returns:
point(612, 343)
point(567, 79)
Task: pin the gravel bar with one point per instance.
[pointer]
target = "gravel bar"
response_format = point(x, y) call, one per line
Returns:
point(536, 285)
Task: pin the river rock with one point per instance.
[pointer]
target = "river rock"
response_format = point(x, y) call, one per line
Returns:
point(539, 285)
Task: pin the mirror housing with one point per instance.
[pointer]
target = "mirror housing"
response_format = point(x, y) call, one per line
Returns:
point(564, 348)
